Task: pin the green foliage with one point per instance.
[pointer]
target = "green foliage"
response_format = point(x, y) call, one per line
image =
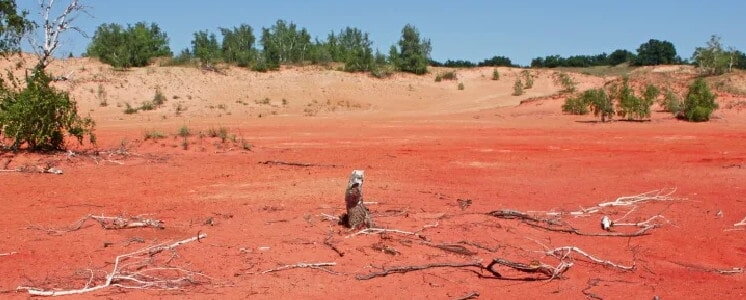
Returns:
point(184, 131)
point(672, 103)
point(382, 71)
point(496, 61)
point(153, 135)
point(159, 98)
point(566, 81)
point(413, 54)
point(713, 59)
point(238, 45)
point(147, 105)
point(13, 26)
point(351, 47)
point(450, 75)
point(553, 61)
point(528, 78)
point(284, 43)
point(631, 106)
point(620, 56)
point(129, 110)
point(518, 87)
point(133, 46)
point(185, 57)
point(650, 93)
point(206, 48)
point(700, 102)
point(575, 106)
point(495, 75)
point(600, 103)
point(39, 116)
point(461, 86)
point(655, 52)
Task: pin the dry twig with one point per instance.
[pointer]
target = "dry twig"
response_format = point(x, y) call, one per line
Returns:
point(742, 223)
point(108, 223)
point(296, 164)
point(371, 231)
point(405, 269)
point(138, 274)
point(471, 295)
point(317, 266)
point(564, 252)
point(8, 254)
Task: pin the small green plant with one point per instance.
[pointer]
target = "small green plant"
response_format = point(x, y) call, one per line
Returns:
point(600, 103)
point(450, 75)
point(567, 83)
point(650, 93)
point(179, 108)
point(245, 145)
point(184, 131)
point(129, 110)
point(461, 86)
point(672, 103)
point(185, 143)
point(153, 135)
point(518, 87)
point(631, 106)
point(700, 102)
point(101, 95)
point(528, 78)
point(159, 99)
point(147, 105)
point(221, 133)
point(495, 75)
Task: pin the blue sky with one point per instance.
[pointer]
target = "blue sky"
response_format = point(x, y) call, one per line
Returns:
point(472, 30)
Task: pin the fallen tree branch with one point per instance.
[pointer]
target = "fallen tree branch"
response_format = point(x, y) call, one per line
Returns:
point(317, 266)
point(572, 230)
point(535, 267)
point(471, 295)
point(108, 223)
point(742, 223)
point(372, 231)
point(406, 269)
point(661, 195)
point(8, 254)
point(296, 164)
point(731, 271)
point(564, 252)
point(136, 275)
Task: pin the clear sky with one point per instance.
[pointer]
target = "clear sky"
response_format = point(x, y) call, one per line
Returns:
point(472, 30)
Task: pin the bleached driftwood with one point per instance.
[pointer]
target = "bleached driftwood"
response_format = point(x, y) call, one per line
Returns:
point(135, 275)
point(564, 252)
point(317, 266)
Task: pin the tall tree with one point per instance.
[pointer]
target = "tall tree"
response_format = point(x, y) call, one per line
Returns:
point(205, 47)
point(413, 54)
point(284, 43)
point(238, 45)
point(13, 26)
point(655, 52)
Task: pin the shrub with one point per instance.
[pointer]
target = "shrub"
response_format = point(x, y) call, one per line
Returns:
point(672, 103)
point(495, 75)
point(518, 87)
point(461, 86)
point(450, 75)
point(575, 106)
point(184, 131)
point(153, 135)
point(384, 71)
point(631, 106)
point(129, 110)
point(651, 92)
point(159, 99)
point(567, 83)
point(528, 79)
point(147, 105)
point(40, 116)
point(206, 48)
point(600, 103)
point(700, 102)
point(133, 46)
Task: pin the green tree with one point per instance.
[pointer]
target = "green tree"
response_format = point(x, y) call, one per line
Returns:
point(205, 47)
point(700, 102)
point(600, 103)
point(496, 61)
point(284, 43)
point(413, 54)
point(620, 56)
point(631, 106)
point(713, 59)
point(655, 52)
point(13, 26)
point(133, 46)
point(238, 45)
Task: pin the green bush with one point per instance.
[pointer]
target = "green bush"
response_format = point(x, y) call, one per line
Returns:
point(450, 75)
point(382, 71)
point(129, 110)
point(39, 116)
point(528, 78)
point(133, 46)
point(575, 106)
point(566, 81)
point(495, 75)
point(159, 99)
point(600, 103)
point(700, 102)
point(631, 106)
point(518, 87)
point(672, 103)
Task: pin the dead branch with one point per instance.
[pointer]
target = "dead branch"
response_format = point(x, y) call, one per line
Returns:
point(731, 271)
point(480, 246)
point(296, 164)
point(565, 252)
point(8, 254)
point(453, 248)
point(661, 195)
point(317, 266)
point(328, 242)
point(406, 269)
point(54, 27)
point(742, 223)
point(372, 231)
point(108, 223)
point(534, 267)
point(472, 295)
point(572, 230)
point(138, 274)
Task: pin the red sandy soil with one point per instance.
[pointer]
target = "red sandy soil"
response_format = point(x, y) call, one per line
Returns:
point(423, 145)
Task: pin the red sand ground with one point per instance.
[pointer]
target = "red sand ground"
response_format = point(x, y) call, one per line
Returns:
point(422, 144)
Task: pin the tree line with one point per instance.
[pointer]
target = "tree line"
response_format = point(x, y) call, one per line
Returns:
point(287, 43)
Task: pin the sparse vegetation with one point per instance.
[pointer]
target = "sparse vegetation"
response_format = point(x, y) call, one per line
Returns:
point(153, 135)
point(631, 106)
point(159, 99)
point(566, 81)
point(101, 95)
point(147, 105)
point(700, 102)
point(495, 75)
point(129, 110)
point(528, 79)
point(450, 75)
point(672, 103)
point(575, 106)
point(413, 53)
point(461, 86)
point(184, 131)
point(518, 87)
